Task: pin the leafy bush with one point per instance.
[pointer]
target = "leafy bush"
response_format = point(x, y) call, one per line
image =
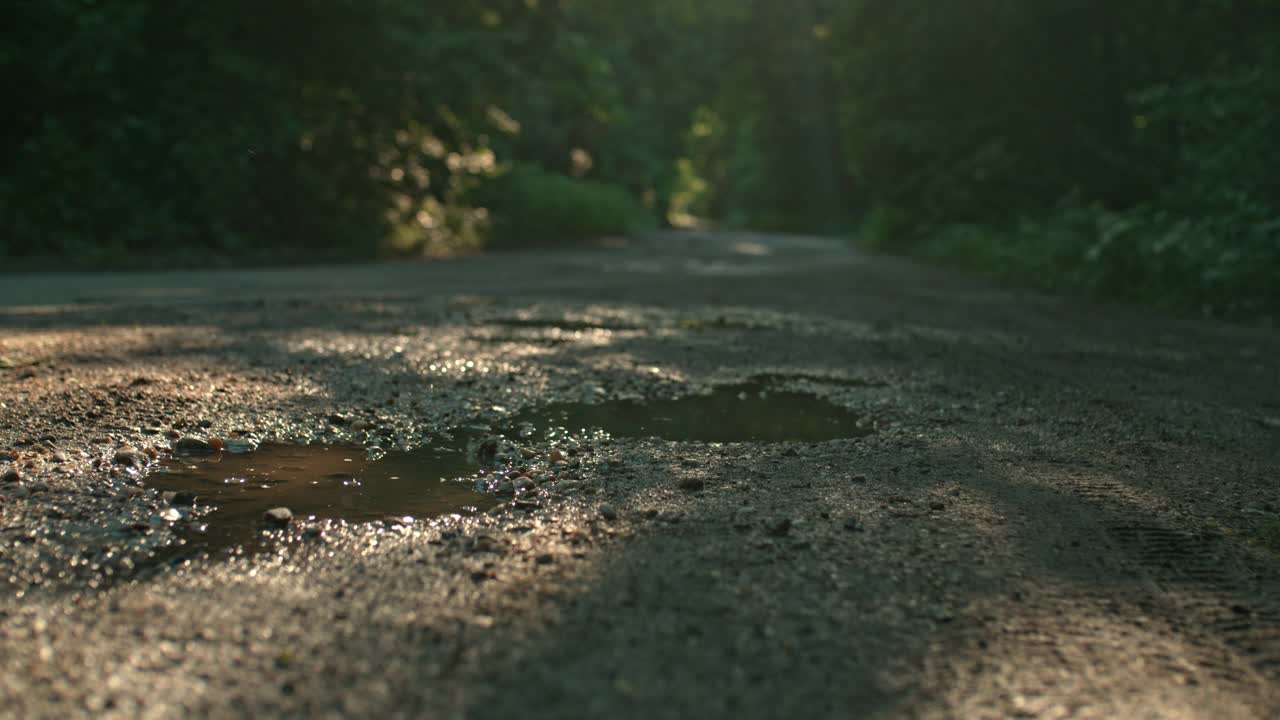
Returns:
point(1215, 265)
point(529, 206)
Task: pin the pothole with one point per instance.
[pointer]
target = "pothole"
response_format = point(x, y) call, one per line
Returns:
point(220, 501)
point(750, 412)
point(340, 482)
point(563, 325)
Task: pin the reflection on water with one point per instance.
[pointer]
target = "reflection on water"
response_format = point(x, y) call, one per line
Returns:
point(733, 413)
point(343, 482)
point(338, 482)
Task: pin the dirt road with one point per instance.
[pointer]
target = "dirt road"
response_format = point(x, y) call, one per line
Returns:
point(1050, 509)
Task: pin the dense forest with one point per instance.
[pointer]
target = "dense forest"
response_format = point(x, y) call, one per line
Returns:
point(1128, 149)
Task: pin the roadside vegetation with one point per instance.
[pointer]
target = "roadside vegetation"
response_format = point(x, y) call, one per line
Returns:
point(1125, 150)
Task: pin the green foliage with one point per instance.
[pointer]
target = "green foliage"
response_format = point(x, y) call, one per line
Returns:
point(1210, 265)
point(1125, 149)
point(234, 127)
point(529, 206)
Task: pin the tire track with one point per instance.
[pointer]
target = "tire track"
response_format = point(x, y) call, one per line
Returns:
point(1197, 587)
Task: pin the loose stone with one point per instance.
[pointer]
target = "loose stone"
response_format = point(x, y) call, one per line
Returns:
point(128, 457)
point(192, 445)
point(608, 512)
point(780, 528)
point(240, 446)
point(11, 476)
point(278, 516)
point(487, 450)
point(692, 484)
point(183, 497)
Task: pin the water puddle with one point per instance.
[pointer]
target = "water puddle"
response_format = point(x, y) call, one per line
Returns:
point(564, 325)
point(220, 501)
point(850, 382)
point(751, 412)
point(314, 481)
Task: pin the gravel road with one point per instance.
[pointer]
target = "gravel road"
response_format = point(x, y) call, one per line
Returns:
point(1057, 510)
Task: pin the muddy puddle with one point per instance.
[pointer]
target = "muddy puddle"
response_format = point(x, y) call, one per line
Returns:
point(223, 499)
point(313, 481)
point(751, 412)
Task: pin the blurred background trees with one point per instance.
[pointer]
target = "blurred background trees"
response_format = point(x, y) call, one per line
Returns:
point(1124, 148)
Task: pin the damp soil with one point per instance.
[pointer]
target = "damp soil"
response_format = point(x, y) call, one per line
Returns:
point(750, 412)
point(224, 497)
point(228, 494)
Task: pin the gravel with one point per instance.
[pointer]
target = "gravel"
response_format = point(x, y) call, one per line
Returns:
point(1100, 562)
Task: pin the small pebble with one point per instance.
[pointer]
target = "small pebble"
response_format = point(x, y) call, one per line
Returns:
point(11, 476)
point(608, 512)
point(780, 528)
point(240, 446)
point(183, 497)
point(278, 516)
point(852, 525)
point(692, 484)
point(192, 445)
point(128, 457)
